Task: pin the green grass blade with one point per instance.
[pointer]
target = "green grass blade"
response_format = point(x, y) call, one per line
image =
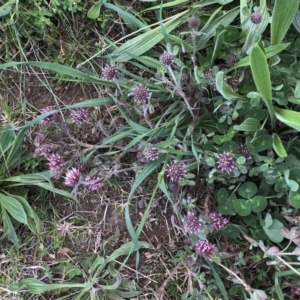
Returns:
point(210, 31)
point(289, 117)
point(283, 15)
point(296, 21)
point(61, 69)
point(149, 168)
point(217, 47)
point(8, 228)
point(145, 41)
point(218, 281)
point(127, 17)
point(224, 89)
point(14, 207)
point(278, 147)
point(261, 75)
point(166, 5)
point(269, 51)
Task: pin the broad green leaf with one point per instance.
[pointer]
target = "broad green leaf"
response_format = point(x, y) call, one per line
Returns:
point(296, 21)
point(6, 8)
point(278, 147)
point(145, 41)
point(38, 287)
point(294, 199)
point(217, 48)
point(289, 117)
point(62, 70)
point(269, 51)
point(230, 231)
point(7, 137)
point(261, 142)
point(250, 124)
point(243, 7)
point(8, 228)
point(226, 206)
point(126, 249)
point(261, 75)
point(222, 195)
point(282, 19)
point(258, 203)
point(128, 18)
point(247, 190)
point(224, 89)
point(273, 231)
point(242, 207)
point(94, 11)
point(14, 208)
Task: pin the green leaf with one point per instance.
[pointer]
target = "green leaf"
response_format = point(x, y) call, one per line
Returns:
point(296, 21)
point(262, 142)
point(222, 195)
point(242, 207)
point(261, 75)
point(128, 18)
point(210, 30)
point(230, 231)
point(294, 199)
point(247, 190)
point(289, 117)
point(278, 147)
point(14, 208)
point(224, 89)
point(7, 137)
point(126, 249)
point(8, 228)
point(217, 47)
point(145, 41)
point(249, 124)
point(273, 231)
point(282, 19)
point(5, 9)
point(37, 286)
point(149, 168)
point(269, 51)
point(94, 11)
point(258, 203)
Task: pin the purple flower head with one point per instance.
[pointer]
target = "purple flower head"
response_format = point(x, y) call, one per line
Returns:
point(194, 23)
point(72, 177)
point(41, 148)
point(94, 182)
point(243, 149)
point(191, 223)
point(231, 59)
point(141, 94)
point(218, 221)
point(109, 72)
point(175, 171)
point(226, 162)
point(51, 118)
point(80, 116)
point(256, 18)
point(55, 162)
point(205, 248)
point(151, 153)
point(166, 59)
